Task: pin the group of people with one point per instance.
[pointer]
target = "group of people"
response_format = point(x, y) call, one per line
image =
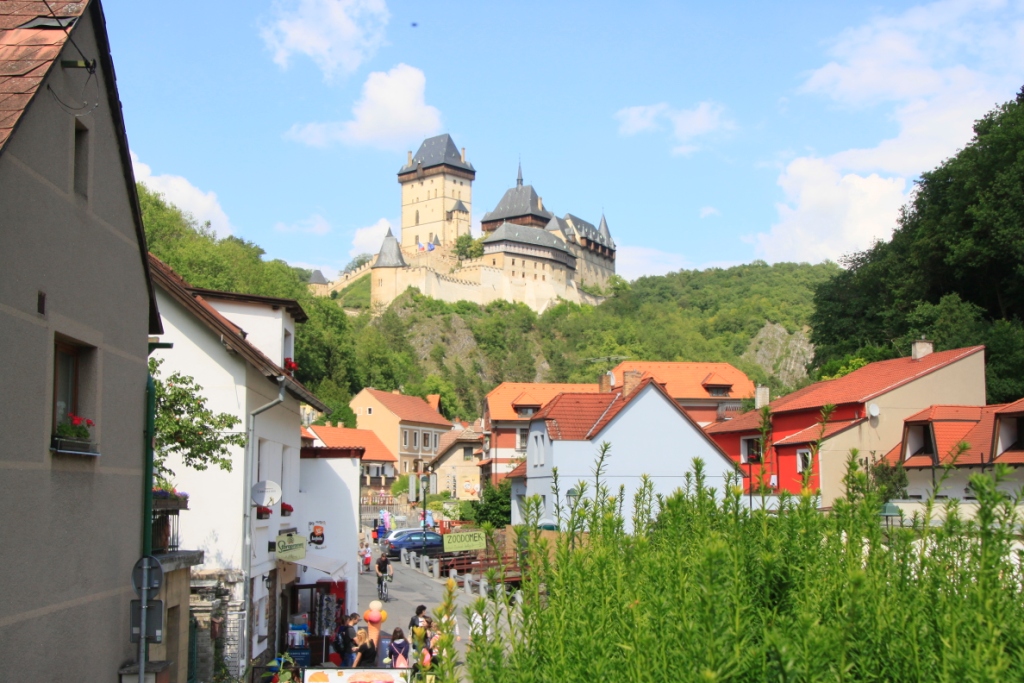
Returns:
point(358, 650)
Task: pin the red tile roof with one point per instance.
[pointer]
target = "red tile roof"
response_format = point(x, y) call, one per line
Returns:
point(810, 434)
point(571, 417)
point(409, 408)
point(1011, 408)
point(27, 54)
point(951, 426)
point(689, 380)
point(947, 413)
point(343, 437)
point(501, 399)
point(519, 472)
point(306, 434)
point(859, 386)
point(434, 401)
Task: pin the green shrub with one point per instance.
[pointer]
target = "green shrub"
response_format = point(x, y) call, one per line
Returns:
point(400, 485)
point(706, 590)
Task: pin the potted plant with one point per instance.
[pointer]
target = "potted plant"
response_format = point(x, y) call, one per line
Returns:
point(286, 509)
point(290, 365)
point(73, 435)
point(263, 512)
point(167, 497)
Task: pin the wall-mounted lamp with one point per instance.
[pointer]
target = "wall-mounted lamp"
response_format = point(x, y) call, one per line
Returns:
point(267, 581)
point(571, 495)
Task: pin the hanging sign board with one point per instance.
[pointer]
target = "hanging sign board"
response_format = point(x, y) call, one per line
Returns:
point(266, 494)
point(290, 547)
point(156, 575)
point(464, 540)
point(154, 621)
point(317, 538)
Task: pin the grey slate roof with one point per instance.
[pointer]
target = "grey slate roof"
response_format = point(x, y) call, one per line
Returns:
point(525, 234)
point(459, 207)
point(436, 151)
point(520, 200)
point(436, 241)
point(390, 254)
point(317, 278)
point(557, 223)
point(588, 231)
point(605, 232)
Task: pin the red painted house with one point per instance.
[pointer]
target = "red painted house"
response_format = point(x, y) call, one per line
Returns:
point(871, 404)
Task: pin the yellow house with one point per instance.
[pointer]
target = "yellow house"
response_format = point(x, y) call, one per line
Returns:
point(456, 467)
point(408, 426)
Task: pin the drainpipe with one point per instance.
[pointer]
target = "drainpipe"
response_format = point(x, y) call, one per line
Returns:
point(250, 460)
point(147, 475)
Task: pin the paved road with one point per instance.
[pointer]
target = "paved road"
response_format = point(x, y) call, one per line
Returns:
point(409, 589)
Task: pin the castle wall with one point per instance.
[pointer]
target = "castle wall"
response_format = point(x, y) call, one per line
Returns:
point(592, 268)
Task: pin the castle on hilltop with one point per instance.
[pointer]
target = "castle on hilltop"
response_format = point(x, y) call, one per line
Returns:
point(530, 255)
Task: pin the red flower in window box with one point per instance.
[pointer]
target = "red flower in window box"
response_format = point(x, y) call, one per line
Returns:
point(286, 509)
point(75, 427)
point(290, 365)
point(263, 512)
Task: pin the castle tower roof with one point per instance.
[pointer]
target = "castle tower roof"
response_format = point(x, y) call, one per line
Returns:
point(586, 230)
point(521, 200)
point(390, 254)
point(317, 278)
point(439, 150)
point(605, 233)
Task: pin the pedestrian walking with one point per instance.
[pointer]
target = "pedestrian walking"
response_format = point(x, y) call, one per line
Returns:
point(366, 651)
point(399, 651)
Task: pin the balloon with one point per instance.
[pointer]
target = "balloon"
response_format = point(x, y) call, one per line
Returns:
point(377, 605)
point(383, 616)
point(373, 616)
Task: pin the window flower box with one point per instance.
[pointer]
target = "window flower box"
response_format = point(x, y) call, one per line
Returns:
point(286, 510)
point(70, 445)
point(263, 512)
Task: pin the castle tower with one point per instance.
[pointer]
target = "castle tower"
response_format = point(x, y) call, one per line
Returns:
point(437, 193)
point(519, 205)
point(385, 272)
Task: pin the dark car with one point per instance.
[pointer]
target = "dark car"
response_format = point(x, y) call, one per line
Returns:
point(420, 542)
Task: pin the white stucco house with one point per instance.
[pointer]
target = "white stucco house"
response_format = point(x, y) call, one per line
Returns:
point(235, 347)
point(649, 434)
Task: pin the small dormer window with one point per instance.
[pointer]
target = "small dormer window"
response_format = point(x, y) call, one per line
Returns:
point(718, 391)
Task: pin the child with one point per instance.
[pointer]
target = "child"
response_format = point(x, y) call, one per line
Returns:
point(367, 556)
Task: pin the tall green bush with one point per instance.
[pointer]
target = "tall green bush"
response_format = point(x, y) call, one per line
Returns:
point(707, 590)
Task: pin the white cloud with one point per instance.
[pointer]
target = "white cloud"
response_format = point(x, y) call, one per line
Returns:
point(937, 68)
point(633, 262)
point(314, 225)
point(684, 125)
point(708, 211)
point(203, 206)
point(338, 35)
point(368, 240)
point(391, 114)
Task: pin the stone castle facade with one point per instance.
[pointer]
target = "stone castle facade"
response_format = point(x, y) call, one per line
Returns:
point(530, 255)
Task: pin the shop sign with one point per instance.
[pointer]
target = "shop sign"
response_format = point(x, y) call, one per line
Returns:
point(464, 540)
point(318, 535)
point(291, 547)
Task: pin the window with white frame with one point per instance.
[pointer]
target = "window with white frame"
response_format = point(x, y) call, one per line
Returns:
point(804, 460)
point(521, 437)
point(426, 440)
point(405, 438)
point(415, 439)
point(750, 450)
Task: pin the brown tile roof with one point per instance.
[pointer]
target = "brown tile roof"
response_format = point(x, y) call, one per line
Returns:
point(449, 439)
point(689, 380)
point(501, 399)
point(434, 401)
point(409, 408)
point(859, 386)
point(810, 434)
point(179, 290)
point(951, 426)
point(290, 305)
point(305, 433)
point(518, 472)
point(1011, 408)
point(343, 437)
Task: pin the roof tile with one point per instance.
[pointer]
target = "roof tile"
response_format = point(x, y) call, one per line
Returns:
point(343, 437)
point(409, 408)
point(500, 400)
point(689, 380)
point(810, 434)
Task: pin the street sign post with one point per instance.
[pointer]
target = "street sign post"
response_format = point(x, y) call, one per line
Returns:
point(147, 577)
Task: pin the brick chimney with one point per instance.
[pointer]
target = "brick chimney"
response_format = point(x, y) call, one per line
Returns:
point(761, 398)
point(630, 378)
point(540, 203)
point(921, 348)
point(463, 155)
point(606, 382)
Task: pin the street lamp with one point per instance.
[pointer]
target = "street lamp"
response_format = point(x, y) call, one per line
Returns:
point(889, 510)
point(570, 497)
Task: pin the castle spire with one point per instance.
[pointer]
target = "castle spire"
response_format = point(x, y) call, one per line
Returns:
point(519, 179)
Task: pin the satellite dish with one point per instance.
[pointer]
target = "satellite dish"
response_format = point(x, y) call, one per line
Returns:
point(266, 493)
point(873, 410)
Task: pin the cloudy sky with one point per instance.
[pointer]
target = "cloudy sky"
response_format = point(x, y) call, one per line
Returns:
point(708, 133)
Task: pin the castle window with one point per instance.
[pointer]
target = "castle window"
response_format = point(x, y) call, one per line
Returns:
point(417, 220)
point(513, 262)
point(543, 278)
point(494, 261)
point(524, 274)
point(535, 276)
point(513, 273)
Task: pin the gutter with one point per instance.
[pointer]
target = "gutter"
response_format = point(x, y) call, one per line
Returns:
point(250, 460)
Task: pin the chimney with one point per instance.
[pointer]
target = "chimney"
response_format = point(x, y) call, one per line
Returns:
point(409, 163)
point(540, 203)
point(760, 397)
point(921, 348)
point(463, 155)
point(606, 382)
point(396, 391)
point(630, 378)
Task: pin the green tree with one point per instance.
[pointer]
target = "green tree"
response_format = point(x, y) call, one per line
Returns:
point(337, 399)
point(495, 505)
point(468, 248)
point(187, 428)
point(357, 262)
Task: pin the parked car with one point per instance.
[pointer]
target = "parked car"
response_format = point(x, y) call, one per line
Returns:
point(395, 533)
point(420, 542)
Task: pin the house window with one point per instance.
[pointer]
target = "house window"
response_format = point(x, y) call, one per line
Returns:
point(415, 439)
point(65, 382)
point(467, 452)
point(513, 262)
point(521, 436)
point(81, 159)
point(750, 451)
point(437, 440)
point(525, 412)
point(369, 411)
point(405, 438)
point(426, 439)
point(803, 459)
point(417, 223)
point(718, 391)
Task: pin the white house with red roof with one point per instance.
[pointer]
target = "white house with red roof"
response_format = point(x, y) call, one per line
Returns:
point(706, 391)
point(243, 375)
point(377, 462)
point(871, 404)
point(649, 434)
point(965, 439)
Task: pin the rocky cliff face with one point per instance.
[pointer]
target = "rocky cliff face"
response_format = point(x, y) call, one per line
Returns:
point(782, 354)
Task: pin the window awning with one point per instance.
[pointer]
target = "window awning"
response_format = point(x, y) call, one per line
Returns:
point(332, 566)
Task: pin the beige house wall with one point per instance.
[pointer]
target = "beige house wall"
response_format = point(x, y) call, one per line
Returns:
point(962, 382)
point(175, 593)
point(371, 414)
point(454, 469)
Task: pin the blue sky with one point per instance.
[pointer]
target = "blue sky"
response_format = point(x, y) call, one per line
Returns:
point(708, 133)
